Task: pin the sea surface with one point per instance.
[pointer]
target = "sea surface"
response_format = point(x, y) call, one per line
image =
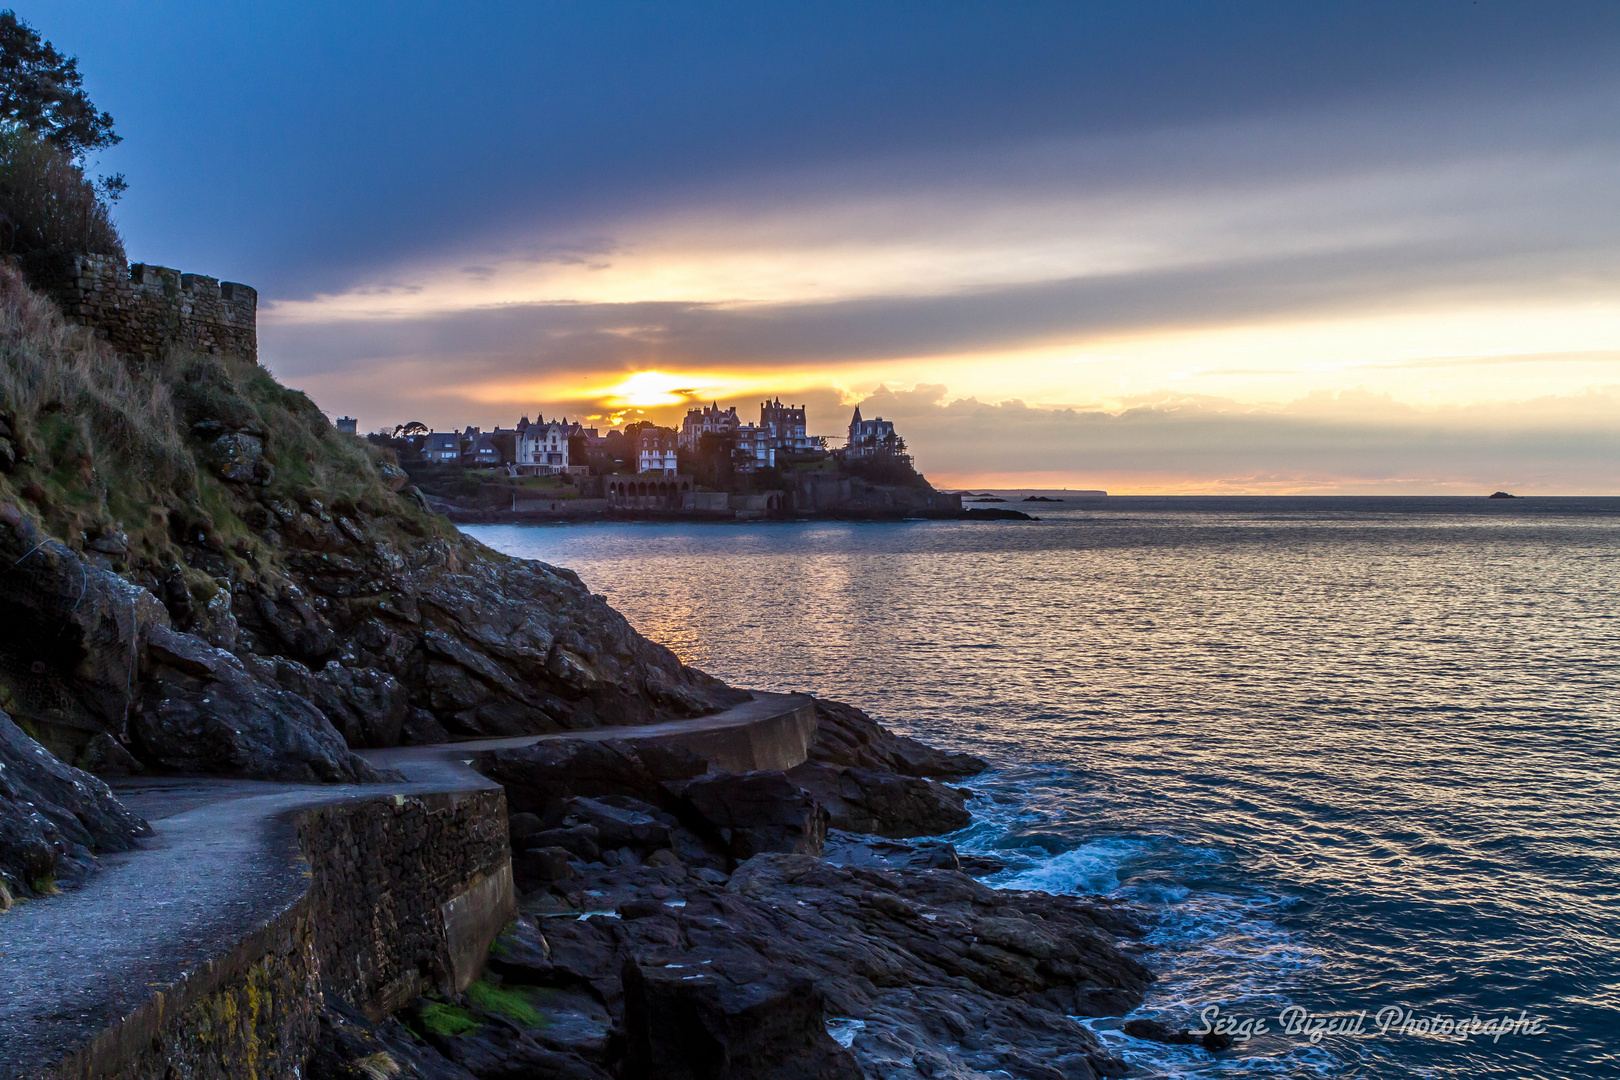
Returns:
point(1345, 754)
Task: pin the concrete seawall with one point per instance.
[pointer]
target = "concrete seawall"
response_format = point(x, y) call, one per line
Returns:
point(204, 955)
point(773, 731)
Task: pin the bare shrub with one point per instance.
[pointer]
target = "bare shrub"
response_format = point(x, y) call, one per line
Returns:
point(49, 210)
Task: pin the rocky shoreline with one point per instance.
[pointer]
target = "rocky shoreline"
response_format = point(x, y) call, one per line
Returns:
point(681, 922)
point(200, 577)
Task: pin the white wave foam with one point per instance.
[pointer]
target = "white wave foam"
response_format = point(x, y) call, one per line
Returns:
point(1089, 868)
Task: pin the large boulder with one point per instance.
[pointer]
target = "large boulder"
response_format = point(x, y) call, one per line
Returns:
point(878, 801)
point(726, 1023)
point(370, 708)
point(516, 646)
point(755, 812)
point(620, 823)
point(54, 818)
point(204, 712)
point(847, 737)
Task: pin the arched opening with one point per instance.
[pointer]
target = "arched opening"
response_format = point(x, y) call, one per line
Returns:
point(685, 486)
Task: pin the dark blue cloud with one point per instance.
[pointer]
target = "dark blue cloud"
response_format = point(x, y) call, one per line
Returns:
point(301, 145)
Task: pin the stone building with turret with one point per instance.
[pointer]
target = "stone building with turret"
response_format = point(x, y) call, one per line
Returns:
point(784, 426)
point(874, 439)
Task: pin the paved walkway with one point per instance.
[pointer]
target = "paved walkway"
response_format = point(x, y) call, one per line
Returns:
point(223, 861)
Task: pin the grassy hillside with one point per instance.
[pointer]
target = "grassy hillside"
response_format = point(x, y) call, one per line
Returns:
point(124, 459)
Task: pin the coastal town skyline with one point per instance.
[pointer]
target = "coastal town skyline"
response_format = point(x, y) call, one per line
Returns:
point(562, 447)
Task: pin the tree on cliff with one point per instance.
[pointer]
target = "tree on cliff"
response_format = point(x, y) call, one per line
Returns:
point(42, 90)
point(49, 210)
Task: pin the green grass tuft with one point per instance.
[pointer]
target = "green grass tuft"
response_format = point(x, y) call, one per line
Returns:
point(442, 1018)
point(511, 1002)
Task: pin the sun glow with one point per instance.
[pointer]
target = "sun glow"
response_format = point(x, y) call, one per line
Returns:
point(645, 389)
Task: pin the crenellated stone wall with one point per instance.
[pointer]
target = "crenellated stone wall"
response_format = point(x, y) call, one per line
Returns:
point(147, 310)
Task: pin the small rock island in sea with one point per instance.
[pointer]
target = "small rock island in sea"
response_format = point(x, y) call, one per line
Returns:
point(458, 872)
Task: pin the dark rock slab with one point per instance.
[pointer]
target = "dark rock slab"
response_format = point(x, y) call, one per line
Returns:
point(880, 802)
point(995, 513)
point(542, 867)
point(852, 850)
point(53, 818)
point(521, 952)
point(847, 737)
point(498, 1050)
point(349, 1046)
point(756, 812)
point(752, 1023)
point(538, 777)
point(634, 824)
point(1158, 1031)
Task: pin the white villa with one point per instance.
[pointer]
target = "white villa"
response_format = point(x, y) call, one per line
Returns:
point(542, 448)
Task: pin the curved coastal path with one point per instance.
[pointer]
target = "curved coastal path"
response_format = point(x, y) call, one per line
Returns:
point(225, 861)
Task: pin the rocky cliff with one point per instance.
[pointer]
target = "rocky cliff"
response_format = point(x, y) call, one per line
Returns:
point(199, 574)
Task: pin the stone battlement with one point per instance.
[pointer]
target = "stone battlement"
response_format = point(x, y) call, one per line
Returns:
point(147, 310)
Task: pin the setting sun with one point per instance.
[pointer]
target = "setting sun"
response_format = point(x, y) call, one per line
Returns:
point(647, 388)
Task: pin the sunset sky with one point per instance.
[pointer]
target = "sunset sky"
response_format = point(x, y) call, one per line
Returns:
point(1177, 247)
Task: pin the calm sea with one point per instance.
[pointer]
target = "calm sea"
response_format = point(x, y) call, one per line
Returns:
point(1347, 754)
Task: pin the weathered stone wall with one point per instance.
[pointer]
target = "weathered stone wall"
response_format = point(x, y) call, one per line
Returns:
point(248, 1014)
point(385, 875)
point(146, 310)
point(405, 893)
